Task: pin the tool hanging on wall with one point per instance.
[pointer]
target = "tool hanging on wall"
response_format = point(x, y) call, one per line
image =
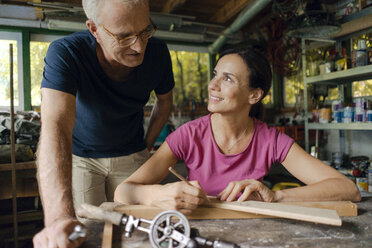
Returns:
point(167, 229)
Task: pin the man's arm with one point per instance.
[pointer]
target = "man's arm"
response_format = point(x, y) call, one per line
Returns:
point(54, 166)
point(159, 116)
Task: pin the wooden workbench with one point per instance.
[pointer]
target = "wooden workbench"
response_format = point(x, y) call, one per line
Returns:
point(354, 232)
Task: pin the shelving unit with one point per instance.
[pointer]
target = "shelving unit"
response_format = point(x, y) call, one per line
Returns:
point(18, 166)
point(333, 78)
point(340, 126)
point(18, 180)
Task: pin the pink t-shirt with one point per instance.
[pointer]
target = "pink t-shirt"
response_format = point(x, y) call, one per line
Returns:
point(194, 143)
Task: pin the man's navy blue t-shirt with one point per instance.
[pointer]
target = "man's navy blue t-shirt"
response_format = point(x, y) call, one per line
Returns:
point(109, 114)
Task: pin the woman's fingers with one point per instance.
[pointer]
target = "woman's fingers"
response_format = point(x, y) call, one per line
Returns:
point(226, 192)
point(238, 187)
point(246, 193)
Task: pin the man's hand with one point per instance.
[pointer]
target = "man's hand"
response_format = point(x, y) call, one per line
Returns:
point(56, 235)
point(250, 189)
point(180, 196)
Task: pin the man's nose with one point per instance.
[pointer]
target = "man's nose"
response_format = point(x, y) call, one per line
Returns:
point(139, 45)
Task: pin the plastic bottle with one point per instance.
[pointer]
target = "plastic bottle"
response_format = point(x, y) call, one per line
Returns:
point(361, 57)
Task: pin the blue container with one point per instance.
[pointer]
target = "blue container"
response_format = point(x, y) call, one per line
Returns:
point(348, 115)
point(369, 115)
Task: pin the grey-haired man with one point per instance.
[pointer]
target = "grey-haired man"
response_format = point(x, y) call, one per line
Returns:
point(94, 87)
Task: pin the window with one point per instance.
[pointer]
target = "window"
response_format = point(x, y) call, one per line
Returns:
point(190, 66)
point(7, 38)
point(362, 88)
point(38, 51)
point(293, 86)
point(268, 100)
point(191, 74)
point(38, 48)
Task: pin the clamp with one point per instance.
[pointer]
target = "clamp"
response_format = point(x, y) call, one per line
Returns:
point(168, 229)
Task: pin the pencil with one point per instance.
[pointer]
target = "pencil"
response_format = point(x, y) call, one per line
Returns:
point(178, 175)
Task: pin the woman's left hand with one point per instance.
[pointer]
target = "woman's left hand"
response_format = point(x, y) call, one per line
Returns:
point(251, 190)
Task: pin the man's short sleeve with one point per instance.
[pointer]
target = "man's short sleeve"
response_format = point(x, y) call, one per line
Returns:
point(60, 71)
point(166, 83)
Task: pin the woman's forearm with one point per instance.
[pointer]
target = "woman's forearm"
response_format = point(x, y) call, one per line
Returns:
point(132, 193)
point(333, 189)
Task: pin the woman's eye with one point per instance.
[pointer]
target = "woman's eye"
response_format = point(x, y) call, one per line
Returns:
point(228, 79)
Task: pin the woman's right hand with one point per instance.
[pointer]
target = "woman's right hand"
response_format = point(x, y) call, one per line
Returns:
point(179, 196)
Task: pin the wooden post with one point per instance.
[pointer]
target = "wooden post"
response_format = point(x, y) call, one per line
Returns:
point(12, 145)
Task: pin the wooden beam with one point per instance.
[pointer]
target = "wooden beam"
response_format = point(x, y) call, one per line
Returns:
point(354, 26)
point(39, 11)
point(230, 9)
point(170, 5)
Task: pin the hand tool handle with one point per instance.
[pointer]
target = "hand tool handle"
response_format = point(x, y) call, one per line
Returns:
point(96, 213)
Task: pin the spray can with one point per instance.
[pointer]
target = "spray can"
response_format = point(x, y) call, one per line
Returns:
point(361, 54)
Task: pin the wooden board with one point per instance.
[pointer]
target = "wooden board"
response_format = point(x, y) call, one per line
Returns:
point(317, 215)
point(343, 208)
point(107, 235)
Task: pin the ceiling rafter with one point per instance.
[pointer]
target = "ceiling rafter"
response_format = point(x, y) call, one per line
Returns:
point(230, 9)
point(38, 11)
point(170, 5)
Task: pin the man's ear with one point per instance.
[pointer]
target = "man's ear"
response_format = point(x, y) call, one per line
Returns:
point(255, 95)
point(92, 27)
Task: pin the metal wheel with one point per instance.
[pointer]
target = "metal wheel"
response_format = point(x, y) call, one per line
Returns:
point(169, 229)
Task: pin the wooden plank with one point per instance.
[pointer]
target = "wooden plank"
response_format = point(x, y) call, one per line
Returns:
point(230, 9)
point(354, 26)
point(39, 11)
point(317, 215)
point(12, 144)
point(343, 208)
point(107, 235)
point(171, 5)
point(25, 187)
point(18, 166)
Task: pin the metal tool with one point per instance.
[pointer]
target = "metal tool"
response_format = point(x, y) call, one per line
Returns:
point(168, 229)
point(79, 232)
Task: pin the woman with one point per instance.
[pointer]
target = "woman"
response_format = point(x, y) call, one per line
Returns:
point(228, 152)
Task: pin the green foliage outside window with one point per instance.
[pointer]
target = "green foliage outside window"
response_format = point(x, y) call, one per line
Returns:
point(362, 88)
point(38, 51)
point(293, 86)
point(190, 71)
point(269, 97)
point(5, 73)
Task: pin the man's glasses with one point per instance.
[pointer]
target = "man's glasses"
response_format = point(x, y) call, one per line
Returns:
point(131, 39)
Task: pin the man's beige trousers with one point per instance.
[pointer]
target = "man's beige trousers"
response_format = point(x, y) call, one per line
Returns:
point(94, 180)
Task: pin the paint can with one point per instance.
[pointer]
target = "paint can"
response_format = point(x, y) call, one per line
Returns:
point(348, 115)
point(360, 103)
point(362, 184)
point(370, 178)
point(336, 108)
point(360, 115)
point(369, 115)
point(324, 115)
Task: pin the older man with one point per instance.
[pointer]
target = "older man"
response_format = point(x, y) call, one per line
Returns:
point(94, 87)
